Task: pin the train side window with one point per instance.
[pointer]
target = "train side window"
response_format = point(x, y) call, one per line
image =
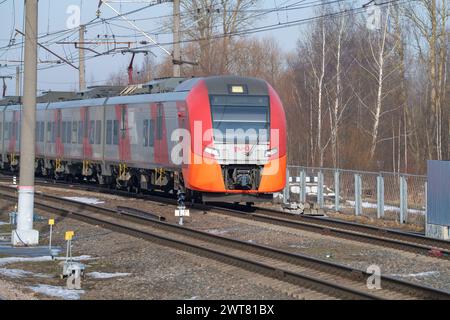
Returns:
point(41, 131)
point(80, 132)
point(74, 132)
point(91, 131)
point(151, 140)
point(49, 132)
point(63, 138)
point(98, 132)
point(68, 132)
point(36, 132)
point(108, 131)
point(145, 133)
point(52, 132)
point(116, 132)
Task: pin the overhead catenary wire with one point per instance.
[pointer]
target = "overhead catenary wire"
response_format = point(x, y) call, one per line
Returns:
point(355, 10)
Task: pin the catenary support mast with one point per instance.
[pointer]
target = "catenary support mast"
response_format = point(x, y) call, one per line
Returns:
point(24, 234)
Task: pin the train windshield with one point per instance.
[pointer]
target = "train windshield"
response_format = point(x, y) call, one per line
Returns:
point(240, 119)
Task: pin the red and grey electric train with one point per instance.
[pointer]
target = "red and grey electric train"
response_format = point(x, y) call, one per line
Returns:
point(129, 140)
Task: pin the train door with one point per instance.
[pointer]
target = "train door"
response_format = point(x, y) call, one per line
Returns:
point(59, 147)
point(87, 147)
point(183, 124)
point(161, 152)
point(124, 134)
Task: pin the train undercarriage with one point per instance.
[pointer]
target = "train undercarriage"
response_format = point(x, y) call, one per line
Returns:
point(135, 180)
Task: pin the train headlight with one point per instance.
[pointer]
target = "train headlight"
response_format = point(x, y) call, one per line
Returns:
point(212, 151)
point(271, 152)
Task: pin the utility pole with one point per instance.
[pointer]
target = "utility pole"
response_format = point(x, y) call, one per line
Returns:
point(24, 234)
point(176, 39)
point(17, 81)
point(81, 69)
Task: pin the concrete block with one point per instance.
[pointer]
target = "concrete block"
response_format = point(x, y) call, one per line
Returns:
point(25, 237)
point(437, 231)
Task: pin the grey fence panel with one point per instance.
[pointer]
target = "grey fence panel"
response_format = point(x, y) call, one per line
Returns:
point(380, 192)
point(438, 208)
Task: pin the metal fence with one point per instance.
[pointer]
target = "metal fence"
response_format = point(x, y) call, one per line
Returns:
point(387, 195)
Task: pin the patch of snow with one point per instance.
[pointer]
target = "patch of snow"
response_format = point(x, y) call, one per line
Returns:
point(216, 231)
point(386, 207)
point(8, 260)
point(55, 291)
point(415, 275)
point(19, 273)
point(106, 275)
point(297, 246)
point(14, 273)
point(77, 258)
point(3, 223)
point(85, 200)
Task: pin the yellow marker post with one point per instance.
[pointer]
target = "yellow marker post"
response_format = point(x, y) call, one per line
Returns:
point(51, 222)
point(68, 237)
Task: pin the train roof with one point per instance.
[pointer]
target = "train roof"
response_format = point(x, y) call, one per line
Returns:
point(163, 89)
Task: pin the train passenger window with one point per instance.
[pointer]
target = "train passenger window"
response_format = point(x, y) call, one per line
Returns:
point(108, 131)
point(116, 132)
point(151, 129)
point(80, 132)
point(91, 131)
point(145, 133)
point(49, 132)
point(41, 131)
point(68, 132)
point(98, 132)
point(53, 132)
point(64, 140)
point(74, 131)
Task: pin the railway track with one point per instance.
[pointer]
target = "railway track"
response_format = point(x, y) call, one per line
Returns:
point(318, 278)
point(395, 239)
point(383, 237)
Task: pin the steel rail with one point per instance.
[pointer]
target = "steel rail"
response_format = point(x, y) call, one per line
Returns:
point(395, 285)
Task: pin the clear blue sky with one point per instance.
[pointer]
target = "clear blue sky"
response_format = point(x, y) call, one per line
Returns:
point(53, 17)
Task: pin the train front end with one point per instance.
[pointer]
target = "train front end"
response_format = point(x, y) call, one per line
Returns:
point(238, 140)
